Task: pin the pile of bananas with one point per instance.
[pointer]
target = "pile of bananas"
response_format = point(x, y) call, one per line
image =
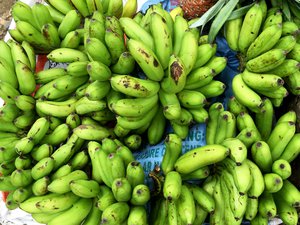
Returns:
point(68, 133)
point(268, 49)
point(235, 177)
point(104, 50)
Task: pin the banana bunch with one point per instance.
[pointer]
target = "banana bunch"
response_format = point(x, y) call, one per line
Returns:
point(266, 44)
point(178, 70)
point(86, 8)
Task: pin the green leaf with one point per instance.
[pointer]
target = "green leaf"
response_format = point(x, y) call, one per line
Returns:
point(286, 10)
point(208, 15)
point(221, 19)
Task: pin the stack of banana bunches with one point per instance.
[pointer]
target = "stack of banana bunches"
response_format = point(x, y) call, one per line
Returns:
point(68, 134)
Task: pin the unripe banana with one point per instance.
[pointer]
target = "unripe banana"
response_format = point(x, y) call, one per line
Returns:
point(50, 33)
point(7, 92)
point(25, 102)
point(42, 151)
point(115, 213)
point(7, 167)
point(261, 155)
point(286, 69)
point(286, 43)
point(274, 16)
point(124, 65)
point(258, 184)
point(140, 195)
point(172, 186)
point(8, 73)
point(250, 27)
point(162, 38)
point(245, 95)
point(176, 75)
point(186, 206)
point(83, 205)
point(282, 168)
point(286, 131)
point(134, 141)
point(268, 82)
point(203, 198)
point(85, 188)
point(289, 193)
point(252, 209)
point(43, 168)
point(57, 136)
point(266, 61)
point(226, 125)
point(21, 177)
point(286, 212)
point(70, 22)
point(94, 216)
point(238, 150)
point(71, 40)
point(232, 32)
point(135, 173)
point(188, 50)
point(127, 85)
point(39, 186)
point(134, 107)
point(292, 149)
point(171, 105)
point(146, 59)
point(293, 83)
point(137, 216)
point(191, 98)
point(9, 112)
point(61, 185)
point(105, 198)
point(24, 145)
point(21, 194)
point(41, 15)
point(267, 206)
point(214, 110)
point(67, 55)
point(196, 160)
point(264, 119)
point(273, 182)
point(199, 77)
point(61, 171)
point(265, 41)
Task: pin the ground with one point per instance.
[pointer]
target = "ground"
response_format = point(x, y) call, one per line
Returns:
point(5, 17)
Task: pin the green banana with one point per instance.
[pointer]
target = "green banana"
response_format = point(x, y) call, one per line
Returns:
point(245, 95)
point(93, 46)
point(135, 173)
point(171, 105)
point(116, 213)
point(261, 155)
point(61, 185)
point(250, 27)
point(76, 214)
point(85, 188)
point(258, 184)
point(175, 78)
point(71, 21)
point(286, 131)
point(291, 151)
point(146, 59)
point(273, 182)
point(186, 206)
point(39, 186)
point(196, 160)
point(265, 41)
point(140, 195)
point(134, 107)
point(67, 55)
point(127, 85)
point(232, 32)
point(266, 61)
point(43, 168)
